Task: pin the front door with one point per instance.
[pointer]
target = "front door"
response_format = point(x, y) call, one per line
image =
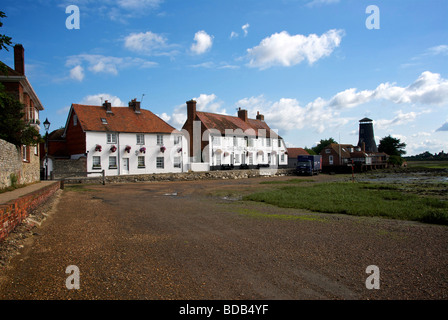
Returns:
point(125, 165)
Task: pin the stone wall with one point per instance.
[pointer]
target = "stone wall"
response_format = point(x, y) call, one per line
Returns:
point(11, 163)
point(68, 167)
point(186, 176)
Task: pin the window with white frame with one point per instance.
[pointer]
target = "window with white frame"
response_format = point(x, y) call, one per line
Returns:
point(160, 140)
point(216, 140)
point(160, 162)
point(96, 162)
point(177, 163)
point(177, 140)
point(140, 138)
point(279, 143)
point(113, 162)
point(218, 159)
point(235, 141)
point(141, 161)
point(75, 120)
point(111, 138)
point(268, 142)
point(330, 159)
point(237, 158)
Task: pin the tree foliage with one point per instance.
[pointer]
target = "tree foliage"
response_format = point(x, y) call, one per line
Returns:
point(392, 146)
point(5, 41)
point(13, 127)
point(322, 144)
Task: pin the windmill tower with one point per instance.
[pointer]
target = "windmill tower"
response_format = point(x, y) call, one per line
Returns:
point(366, 137)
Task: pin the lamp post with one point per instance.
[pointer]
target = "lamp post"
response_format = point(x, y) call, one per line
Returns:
point(47, 127)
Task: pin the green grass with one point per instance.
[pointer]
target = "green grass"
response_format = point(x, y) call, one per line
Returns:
point(77, 188)
point(290, 181)
point(275, 216)
point(360, 199)
point(428, 164)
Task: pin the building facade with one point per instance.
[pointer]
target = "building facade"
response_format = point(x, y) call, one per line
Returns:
point(123, 140)
point(219, 141)
point(16, 83)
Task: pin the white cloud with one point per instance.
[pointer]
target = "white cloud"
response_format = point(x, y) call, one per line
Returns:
point(441, 49)
point(104, 64)
point(283, 49)
point(320, 2)
point(148, 43)
point(233, 34)
point(203, 42)
point(98, 99)
point(77, 73)
point(429, 89)
point(245, 27)
point(138, 4)
point(205, 102)
point(400, 119)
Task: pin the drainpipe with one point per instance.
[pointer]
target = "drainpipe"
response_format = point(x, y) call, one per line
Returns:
point(118, 153)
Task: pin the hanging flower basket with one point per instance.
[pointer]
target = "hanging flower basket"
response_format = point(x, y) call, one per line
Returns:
point(113, 148)
point(179, 150)
point(143, 150)
point(162, 149)
point(218, 151)
point(226, 154)
point(274, 153)
point(127, 149)
point(260, 152)
point(98, 148)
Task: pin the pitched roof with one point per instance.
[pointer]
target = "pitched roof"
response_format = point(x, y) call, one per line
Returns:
point(121, 119)
point(294, 152)
point(222, 123)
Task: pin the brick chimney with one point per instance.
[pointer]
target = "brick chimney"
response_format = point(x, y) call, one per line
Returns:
point(19, 59)
point(134, 104)
point(242, 114)
point(108, 106)
point(260, 116)
point(191, 110)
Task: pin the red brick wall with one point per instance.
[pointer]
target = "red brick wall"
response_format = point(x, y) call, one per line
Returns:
point(76, 137)
point(15, 211)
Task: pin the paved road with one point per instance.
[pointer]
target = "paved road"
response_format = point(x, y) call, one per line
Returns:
point(185, 240)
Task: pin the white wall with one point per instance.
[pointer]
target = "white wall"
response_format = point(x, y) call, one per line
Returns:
point(232, 153)
point(129, 139)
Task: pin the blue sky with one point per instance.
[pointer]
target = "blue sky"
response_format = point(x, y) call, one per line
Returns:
point(312, 67)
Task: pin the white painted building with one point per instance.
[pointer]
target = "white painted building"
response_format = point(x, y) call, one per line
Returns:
point(223, 141)
point(124, 140)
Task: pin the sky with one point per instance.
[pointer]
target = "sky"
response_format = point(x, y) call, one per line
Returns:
point(313, 68)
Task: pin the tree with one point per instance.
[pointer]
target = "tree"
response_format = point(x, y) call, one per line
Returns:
point(13, 127)
point(322, 144)
point(392, 146)
point(5, 41)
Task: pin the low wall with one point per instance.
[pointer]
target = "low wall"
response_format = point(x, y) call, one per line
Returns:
point(187, 176)
point(15, 211)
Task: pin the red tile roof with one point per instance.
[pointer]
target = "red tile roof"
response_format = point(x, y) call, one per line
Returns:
point(294, 152)
point(222, 122)
point(121, 119)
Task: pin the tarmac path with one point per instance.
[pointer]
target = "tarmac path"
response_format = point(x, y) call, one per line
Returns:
point(187, 240)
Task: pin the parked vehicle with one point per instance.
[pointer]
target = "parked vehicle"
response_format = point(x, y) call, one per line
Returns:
point(309, 164)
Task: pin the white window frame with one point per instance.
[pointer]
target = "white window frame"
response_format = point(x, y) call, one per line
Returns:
point(111, 138)
point(96, 162)
point(113, 163)
point(160, 162)
point(140, 138)
point(177, 162)
point(160, 139)
point(139, 162)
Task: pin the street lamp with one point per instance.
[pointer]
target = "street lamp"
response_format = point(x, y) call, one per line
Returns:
point(47, 127)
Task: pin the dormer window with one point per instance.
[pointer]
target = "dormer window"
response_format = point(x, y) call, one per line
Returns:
point(103, 121)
